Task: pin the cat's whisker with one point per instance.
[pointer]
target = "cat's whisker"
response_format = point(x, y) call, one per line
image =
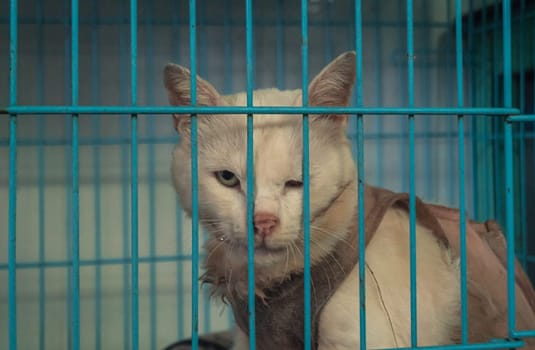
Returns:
point(332, 234)
point(327, 253)
point(212, 251)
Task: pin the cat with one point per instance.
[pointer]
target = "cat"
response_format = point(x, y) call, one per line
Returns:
point(278, 201)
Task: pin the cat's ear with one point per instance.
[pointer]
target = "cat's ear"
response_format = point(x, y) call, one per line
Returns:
point(177, 81)
point(334, 84)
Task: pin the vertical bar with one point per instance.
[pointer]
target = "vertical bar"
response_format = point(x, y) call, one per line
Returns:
point(123, 77)
point(306, 175)
point(402, 97)
point(202, 64)
point(250, 173)
point(426, 91)
point(510, 225)
point(474, 125)
point(12, 240)
point(449, 98)
point(412, 196)
point(179, 275)
point(41, 177)
point(228, 47)
point(328, 33)
point(68, 157)
point(498, 202)
point(522, 155)
point(194, 181)
point(134, 174)
point(486, 200)
point(378, 90)
point(151, 158)
point(281, 81)
point(460, 123)
point(509, 189)
point(360, 175)
point(95, 39)
point(178, 215)
point(75, 325)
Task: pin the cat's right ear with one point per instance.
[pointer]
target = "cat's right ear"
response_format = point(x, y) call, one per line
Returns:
point(177, 81)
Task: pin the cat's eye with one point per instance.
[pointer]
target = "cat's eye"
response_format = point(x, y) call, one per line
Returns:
point(227, 178)
point(293, 184)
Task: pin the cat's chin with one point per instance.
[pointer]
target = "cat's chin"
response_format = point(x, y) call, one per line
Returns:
point(264, 256)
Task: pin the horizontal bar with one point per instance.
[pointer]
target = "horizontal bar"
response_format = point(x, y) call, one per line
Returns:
point(254, 110)
point(524, 334)
point(30, 142)
point(109, 20)
point(171, 140)
point(522, 118)
point(496, 344)
point(94, 262)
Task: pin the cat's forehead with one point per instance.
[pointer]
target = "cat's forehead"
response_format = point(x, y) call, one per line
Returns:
point(265, 97)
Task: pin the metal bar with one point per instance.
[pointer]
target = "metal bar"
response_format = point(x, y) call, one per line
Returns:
point(179, 274)
point(524, 334)
point(75, 194)
point(510, 225)
point(250, 173)
point(521, 89)
point(495, 125)
point(486, 200)
point(202, 64)
point(31, 142)
point(123, 95)
point(12, 239)
point(521, 118)
point(68, 156)
point(360, 175)
point(160, 110)
point(495, 344)
point(41, 164)
point(121, 20)
point(509, 184)
point(412, 165)
point(402, 101)
point(134, 206)
point(95, 68)
point(151, 159)
point(378, 91)
point(306, 178)
point(279, 8)
point(94, 262)
point(194, 181)
point(462, 200)
point(425, 81)
point(179, 265)
point(328, 32)
point(450, 101)
point(227, 73)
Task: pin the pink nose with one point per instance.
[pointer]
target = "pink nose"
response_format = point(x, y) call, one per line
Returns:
point(265, 223)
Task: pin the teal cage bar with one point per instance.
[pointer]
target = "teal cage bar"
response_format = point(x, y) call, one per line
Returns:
point(95, 251)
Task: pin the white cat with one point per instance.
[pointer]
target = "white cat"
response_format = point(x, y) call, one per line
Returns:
point(278, 213)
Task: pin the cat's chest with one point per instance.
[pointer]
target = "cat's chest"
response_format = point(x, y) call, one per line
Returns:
point(388, 293)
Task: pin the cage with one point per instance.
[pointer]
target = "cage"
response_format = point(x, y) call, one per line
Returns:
point(96, 252)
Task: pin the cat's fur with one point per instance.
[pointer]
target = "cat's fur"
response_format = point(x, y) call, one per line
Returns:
point(333, 205)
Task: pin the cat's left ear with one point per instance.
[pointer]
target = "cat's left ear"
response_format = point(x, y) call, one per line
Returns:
point(177, 81)
point(334, 84)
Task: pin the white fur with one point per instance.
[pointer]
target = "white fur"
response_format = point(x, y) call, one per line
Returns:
point(277, 159)
point(388, 319)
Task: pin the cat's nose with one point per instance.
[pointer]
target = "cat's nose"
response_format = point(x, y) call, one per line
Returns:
point(265, 223)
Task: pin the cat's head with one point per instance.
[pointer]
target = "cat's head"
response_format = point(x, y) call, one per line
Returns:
point(278, 191)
